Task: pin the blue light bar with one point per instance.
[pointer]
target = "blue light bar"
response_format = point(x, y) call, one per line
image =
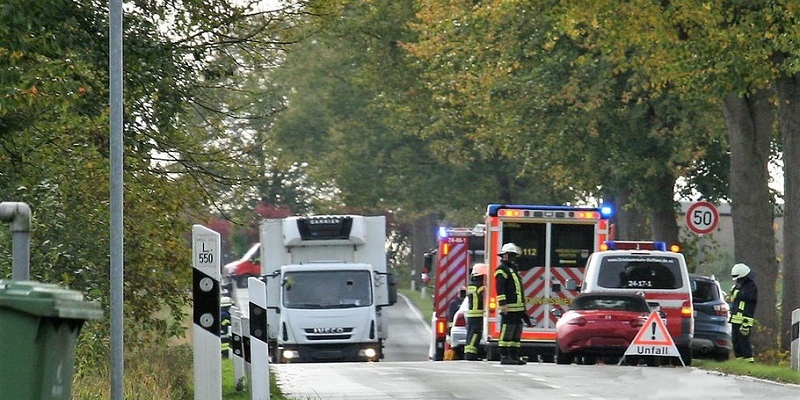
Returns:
point(441, 232)
point(606, 210)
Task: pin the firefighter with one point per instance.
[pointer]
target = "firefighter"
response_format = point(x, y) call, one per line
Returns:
point(744, 297)
point(475, 290)
point(511, 299)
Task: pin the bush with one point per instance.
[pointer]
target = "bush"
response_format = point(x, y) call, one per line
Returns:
point(152, 372)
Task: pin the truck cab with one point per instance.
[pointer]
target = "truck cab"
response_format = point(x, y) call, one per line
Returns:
point(327, 284)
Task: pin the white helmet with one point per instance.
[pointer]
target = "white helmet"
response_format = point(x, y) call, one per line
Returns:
point(480, 269)
point(510, 248)
point(740, 271)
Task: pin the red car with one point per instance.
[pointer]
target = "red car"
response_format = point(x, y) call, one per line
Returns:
point(599, 325)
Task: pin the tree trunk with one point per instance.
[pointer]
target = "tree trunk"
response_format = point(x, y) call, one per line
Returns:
point(663, 218)
point(750, 127)
point(789, 122)
point(630, 221)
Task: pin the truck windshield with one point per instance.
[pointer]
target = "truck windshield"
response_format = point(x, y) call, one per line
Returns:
point(327, 289)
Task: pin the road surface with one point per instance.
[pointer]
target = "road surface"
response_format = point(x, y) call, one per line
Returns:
point(409, 335)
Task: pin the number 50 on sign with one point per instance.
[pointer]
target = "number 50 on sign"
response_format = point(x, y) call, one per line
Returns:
point(702, 218)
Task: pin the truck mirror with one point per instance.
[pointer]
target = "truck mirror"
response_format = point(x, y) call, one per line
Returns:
point(392, 288)
point(427, 262)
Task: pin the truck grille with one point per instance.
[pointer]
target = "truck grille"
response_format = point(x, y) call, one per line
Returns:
point(328, 333)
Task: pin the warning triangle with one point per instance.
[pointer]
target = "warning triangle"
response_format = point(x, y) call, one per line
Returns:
point(653, 333)
point(653, 339)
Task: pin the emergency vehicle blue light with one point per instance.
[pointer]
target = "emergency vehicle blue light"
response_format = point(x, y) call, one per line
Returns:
point(442, 232)
point(606, 210)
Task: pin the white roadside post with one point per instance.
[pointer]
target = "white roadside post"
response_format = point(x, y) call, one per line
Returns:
point(796, 339)
point(246, 348)
point(237, 348)
point(206, 315)
point(259, 353)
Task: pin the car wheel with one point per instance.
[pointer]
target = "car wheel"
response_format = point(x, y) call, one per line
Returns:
point(722, 356)
point(562, 358)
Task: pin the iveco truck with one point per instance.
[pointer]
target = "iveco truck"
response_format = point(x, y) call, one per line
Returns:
point(327, 286)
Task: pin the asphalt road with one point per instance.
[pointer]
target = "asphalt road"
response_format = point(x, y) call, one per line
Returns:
point(406, 373)
point(409, 334)
point(490, 380)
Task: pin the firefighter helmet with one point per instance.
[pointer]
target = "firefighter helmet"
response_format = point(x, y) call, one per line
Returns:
point(740, 270)
point(510, 248)
point(480, 269)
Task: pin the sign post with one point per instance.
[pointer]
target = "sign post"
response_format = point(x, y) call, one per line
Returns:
point(702, 218)
point(206, 315)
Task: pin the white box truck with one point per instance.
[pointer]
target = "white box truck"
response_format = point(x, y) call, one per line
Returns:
point(327, 284)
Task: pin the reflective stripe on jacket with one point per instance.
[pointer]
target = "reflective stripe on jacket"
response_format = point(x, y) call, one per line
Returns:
point(508, 285)
point(475, 297)
point(743, 302)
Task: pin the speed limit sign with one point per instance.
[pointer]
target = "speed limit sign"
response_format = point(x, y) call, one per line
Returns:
point(702, 218)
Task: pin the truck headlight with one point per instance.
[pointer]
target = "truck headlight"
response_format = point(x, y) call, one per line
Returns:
point(290, 354)
point(369, 353)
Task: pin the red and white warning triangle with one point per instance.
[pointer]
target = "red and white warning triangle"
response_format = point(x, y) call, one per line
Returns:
point(653, 339)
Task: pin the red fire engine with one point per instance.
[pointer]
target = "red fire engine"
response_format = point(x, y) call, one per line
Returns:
point(456, 251)
point(556, 242)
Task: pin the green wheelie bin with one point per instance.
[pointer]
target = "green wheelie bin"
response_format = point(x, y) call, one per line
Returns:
point(39, 326)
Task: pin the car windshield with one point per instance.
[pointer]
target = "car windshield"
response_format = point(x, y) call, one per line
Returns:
point(611, 303)
point(640, 272)
point(327, 289)
point(705, 291)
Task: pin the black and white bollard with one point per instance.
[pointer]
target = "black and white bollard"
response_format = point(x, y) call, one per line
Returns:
point(796, 340)
point(259, 353)
point(237, 349)
point(206, 314)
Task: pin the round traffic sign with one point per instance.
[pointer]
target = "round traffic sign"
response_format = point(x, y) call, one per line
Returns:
point(702, 217)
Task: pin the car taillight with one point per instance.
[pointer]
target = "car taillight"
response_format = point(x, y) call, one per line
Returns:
point(722, 309)
point(460, 320)
point(686, 310)
point(580, 321)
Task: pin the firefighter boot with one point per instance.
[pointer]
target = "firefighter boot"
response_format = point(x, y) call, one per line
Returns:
point(514, 354)
point(505, 357)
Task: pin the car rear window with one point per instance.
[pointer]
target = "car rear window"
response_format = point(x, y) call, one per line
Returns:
point(640, 272)
point(611, 303)
point(705, 291)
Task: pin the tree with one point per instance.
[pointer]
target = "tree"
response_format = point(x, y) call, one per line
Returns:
point(54, 139)
point(731, 53)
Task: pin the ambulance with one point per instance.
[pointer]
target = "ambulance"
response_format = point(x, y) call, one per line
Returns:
point(654, 271)
point(556, 243)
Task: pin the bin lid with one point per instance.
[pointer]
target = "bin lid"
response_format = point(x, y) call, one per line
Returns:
point(47, 300)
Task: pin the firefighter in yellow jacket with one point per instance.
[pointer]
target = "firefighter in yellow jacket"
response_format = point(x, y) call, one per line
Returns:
point(475, 291)
point(511, 300)
point(744, 298)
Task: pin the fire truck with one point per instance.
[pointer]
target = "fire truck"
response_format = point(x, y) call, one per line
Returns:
point(456, 251)
point(556, 242)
